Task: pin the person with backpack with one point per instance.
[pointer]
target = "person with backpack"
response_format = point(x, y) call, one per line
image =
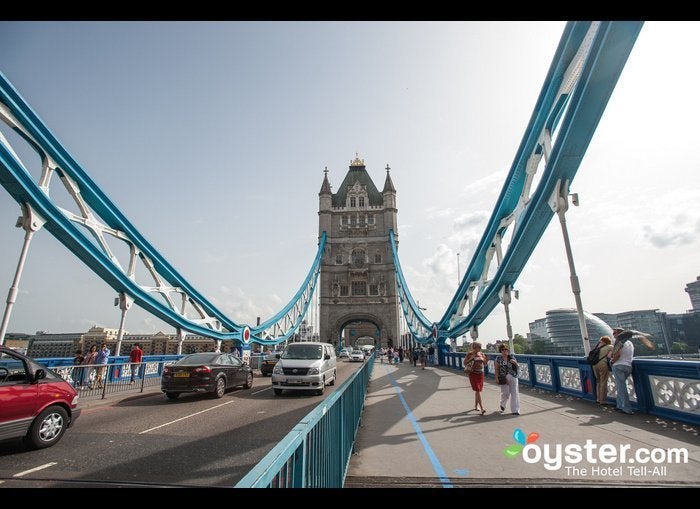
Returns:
point(622, 356)
point(600, 368)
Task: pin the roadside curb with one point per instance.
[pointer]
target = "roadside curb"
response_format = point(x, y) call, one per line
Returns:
point(117, 398)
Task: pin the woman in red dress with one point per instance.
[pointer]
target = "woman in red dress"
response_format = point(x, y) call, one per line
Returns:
point(476, 375)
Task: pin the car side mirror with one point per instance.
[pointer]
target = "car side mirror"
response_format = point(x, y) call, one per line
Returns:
point(327, 356)
point(40, 374)
point(277, 356)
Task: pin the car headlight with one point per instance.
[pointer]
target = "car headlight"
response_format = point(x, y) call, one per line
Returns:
point(313, 371)
point(277, 370)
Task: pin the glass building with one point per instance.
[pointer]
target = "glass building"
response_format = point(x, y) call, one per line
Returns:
point(565, 333)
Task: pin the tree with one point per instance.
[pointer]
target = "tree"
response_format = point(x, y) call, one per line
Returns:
point(538, 347)
point(520, 344)
point(679, 347)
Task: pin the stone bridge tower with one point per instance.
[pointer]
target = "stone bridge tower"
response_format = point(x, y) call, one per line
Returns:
point(357, 281)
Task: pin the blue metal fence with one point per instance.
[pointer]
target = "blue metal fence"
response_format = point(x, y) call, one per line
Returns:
point(117, 374)
point(663, 387)
point(316, 453)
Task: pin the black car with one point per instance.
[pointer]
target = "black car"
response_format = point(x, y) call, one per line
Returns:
point(268, 364)
point(212, 372)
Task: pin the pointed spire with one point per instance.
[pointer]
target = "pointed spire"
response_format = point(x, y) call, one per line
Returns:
point(388, 184)
point(326, 186)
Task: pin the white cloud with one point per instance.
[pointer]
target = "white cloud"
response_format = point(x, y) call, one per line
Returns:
point(489, 185)
point(471, 219)
point(436, 213)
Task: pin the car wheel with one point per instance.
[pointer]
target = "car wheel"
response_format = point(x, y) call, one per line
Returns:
point(333, 381)
point(248, 381)
point(278, 392)
point(323, 388)
point(172, 395)
point(47, 428)
point(220, 388)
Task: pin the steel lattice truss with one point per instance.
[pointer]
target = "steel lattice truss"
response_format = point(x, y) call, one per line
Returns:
point(581, 78)
point(95, 230)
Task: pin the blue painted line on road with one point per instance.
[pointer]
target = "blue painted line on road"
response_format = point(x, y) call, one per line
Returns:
point(437, 467)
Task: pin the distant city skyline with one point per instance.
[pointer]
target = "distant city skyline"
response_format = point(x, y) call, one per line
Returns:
point(212, 139)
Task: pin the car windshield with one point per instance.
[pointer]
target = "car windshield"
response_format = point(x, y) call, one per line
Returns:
point(197, 359)
point(303, 352)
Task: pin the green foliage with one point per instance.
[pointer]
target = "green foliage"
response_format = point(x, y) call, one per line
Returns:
point(679, 347)
point(537, 347)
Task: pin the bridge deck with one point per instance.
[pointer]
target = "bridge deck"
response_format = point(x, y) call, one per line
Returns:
point(419, 429)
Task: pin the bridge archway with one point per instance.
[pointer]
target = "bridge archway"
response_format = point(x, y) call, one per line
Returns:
point(358, 329)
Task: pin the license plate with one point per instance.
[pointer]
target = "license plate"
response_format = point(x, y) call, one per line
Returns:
point(182, 374)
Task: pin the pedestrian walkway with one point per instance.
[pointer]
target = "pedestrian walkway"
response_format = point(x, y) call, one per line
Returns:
point(420, 429)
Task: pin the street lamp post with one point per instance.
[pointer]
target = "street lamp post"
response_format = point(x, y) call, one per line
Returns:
point(458, 278)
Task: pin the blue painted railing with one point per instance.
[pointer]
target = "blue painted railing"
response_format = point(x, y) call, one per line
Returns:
point(115, 374)
point(662, 387)
point(316, 453)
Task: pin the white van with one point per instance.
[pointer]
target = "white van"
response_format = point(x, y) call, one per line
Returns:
point(305, 366)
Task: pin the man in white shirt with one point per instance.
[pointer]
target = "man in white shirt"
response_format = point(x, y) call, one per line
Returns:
point(622, 355)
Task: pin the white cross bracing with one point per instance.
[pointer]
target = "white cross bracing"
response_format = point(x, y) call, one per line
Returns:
point(542, 149)
point(87, 218)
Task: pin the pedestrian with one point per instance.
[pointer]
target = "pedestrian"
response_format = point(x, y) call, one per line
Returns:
point(431, 355)
point(135, 357)
point(601, 370)
point(414, 356)
point(476, 359)
point(78, 372)
point(422, 358)
point(401, 353)
point(101, 361)
point(507, 376)
point(622, 356)
point(89, 362)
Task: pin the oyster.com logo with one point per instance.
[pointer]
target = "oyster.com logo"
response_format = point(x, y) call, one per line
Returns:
point(521, 441)
point(592, 458)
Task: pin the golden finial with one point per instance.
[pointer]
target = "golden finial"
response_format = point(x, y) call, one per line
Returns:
point(357, 161)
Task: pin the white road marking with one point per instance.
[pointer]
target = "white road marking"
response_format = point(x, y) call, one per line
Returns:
point(261, 390)
point(42, 467)
point(186, 417)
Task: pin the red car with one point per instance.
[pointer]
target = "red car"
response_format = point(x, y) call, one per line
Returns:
point(35, 403)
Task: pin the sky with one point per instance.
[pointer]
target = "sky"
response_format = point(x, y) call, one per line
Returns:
point(212, 138)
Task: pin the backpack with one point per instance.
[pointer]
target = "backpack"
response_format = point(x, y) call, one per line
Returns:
point(594, 355)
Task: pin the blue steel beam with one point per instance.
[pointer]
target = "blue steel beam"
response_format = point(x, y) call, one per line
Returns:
point(99, 215)
point(583, 74)
point(418, 324)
